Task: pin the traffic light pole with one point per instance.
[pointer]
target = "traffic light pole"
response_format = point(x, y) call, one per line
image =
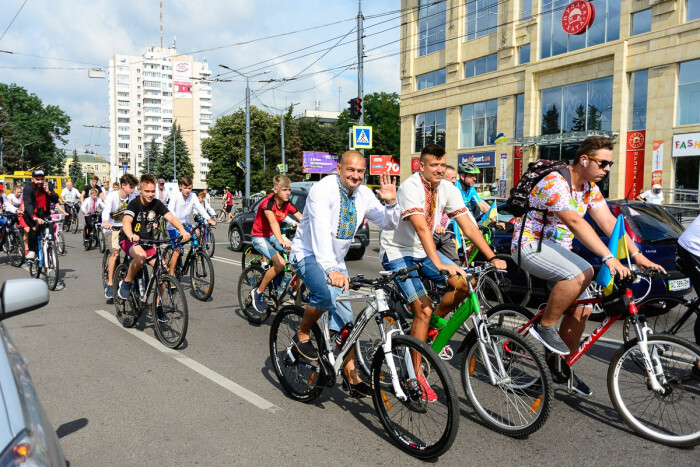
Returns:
point(360, 58)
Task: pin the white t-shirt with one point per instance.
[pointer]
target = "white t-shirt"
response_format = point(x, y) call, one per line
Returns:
point(181, 208)
point(70, 196)
point(690, 239)
point(413, 195)
point(112, 204)
point(654, 198)
point(13, 203)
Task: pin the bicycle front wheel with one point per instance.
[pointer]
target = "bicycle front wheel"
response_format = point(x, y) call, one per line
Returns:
point(172, 328)
point(250, 279)
point(75, 223)
point(367, 343)
point(51, 268)
point(665, 314)
point(670, 416)
point(202, 276)
point(15, 248)
point(125, 310)
point(61, 243)
point(298, 377)
point(509, 316)
point(209, 242)
point(518, 401)
point(101, 241)
point(488, 293)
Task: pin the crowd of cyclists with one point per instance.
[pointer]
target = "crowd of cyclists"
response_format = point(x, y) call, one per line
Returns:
point(428, 224)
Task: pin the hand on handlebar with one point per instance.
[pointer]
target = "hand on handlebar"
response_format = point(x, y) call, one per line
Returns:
point(107, 225)
point(453, 270)
point(39, 221)
point(185, 235)
point(499, 264)
point(211, 222)
point(617, 269)
point(338, 279)
point(645, 263)
point(286, 244)
point(440, 230)
point(134, 238)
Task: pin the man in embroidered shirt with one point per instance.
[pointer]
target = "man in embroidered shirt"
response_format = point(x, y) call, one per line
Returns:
point(334, 210)
point(423, 197)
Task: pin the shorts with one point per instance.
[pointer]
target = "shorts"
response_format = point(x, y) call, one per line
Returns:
point(445, 244)
point(173, 233)
point(322, 297)
point(228, 208)
point(127, 244)
point(115, 239)
point(413, 288)
point(267, 246)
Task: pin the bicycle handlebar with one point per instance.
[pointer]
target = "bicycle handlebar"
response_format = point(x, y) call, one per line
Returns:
point(402, 274)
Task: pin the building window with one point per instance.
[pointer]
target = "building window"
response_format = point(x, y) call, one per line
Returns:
point(481, 65)
point(519, 115)
point(524, 54)
point(482, 18)
point(689, 93)
point(478, 123)
point(553, 39)
point(431, 24)
point(641, 22)
point(430, 129)
point(692, 10)
point(525, 9)
point(638, 103)
point(428, 80)
point(577, 107)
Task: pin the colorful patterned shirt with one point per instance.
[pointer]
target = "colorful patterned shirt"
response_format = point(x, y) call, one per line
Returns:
point(553, 194)
point(347, 214)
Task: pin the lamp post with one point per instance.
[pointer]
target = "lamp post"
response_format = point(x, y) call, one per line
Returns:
point(247, 125)
point(22, 156)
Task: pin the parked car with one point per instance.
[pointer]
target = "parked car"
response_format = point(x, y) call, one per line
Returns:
point(650, 226)
point(26, 435)
point(242, 224)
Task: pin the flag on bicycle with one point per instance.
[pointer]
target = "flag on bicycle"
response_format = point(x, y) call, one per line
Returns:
point(491, 215)
point(618, 248)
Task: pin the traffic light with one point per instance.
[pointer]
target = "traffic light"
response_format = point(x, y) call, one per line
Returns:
point(355, 108)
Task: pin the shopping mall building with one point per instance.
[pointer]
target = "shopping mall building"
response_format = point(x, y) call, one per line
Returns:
point(505, 82)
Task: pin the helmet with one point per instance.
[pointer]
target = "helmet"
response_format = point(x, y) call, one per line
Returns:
point(467, 167)
point(161, 181)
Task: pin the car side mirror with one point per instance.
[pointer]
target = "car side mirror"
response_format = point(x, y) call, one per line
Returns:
point(22, 295)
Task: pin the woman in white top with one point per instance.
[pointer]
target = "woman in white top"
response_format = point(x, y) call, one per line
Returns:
point(13, 201)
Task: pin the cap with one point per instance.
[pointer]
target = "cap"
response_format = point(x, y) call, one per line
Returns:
point(38, 173)
point(656, 186)
point(161, 181)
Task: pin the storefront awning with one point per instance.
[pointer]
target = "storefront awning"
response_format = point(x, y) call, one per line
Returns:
point(560, 138)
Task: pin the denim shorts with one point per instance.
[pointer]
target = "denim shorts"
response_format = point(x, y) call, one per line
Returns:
point(412, 288)
point(267, 246)
point(173, 233)
point(322, 296)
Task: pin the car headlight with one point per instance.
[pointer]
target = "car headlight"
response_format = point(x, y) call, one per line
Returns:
point(25, 449)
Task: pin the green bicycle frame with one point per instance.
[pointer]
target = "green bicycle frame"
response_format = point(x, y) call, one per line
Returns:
point(447, 328)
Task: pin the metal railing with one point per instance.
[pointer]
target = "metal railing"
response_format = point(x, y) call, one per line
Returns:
point(682, 203)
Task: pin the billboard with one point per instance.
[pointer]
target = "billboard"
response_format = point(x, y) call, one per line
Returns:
point(182, 80)
point(480, 159)
point(379, 165)
point(319, 162)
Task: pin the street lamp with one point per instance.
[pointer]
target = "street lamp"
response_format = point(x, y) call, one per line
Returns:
point(247, 125)
point(22, 146)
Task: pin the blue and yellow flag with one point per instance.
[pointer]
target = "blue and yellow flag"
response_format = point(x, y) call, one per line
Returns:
point(491, 215)
point(618, 247)
point(241, 166)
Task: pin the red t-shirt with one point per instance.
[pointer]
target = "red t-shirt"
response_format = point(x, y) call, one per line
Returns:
point(261, 226)
point(229, 199)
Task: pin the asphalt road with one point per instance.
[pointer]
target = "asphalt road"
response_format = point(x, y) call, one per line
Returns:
point(118, 397)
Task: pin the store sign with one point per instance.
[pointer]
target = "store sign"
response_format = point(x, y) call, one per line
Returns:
point(415, 164)
point(517, 164)
point(319, 162)
point(634, 176)
point(577, 17)
point(480, 159)
point(182, 80)
point(379, 165)
point(687, 144)
point(656, 162)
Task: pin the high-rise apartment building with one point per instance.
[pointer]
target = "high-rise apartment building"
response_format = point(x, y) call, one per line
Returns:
point(147, 94)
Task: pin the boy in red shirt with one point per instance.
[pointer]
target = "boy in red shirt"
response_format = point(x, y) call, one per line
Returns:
point(267, 235)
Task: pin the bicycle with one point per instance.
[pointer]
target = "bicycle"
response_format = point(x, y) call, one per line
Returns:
point(94, 235)
point(12, 242)
point(196, 263)
point(46, 261)
point(422, 428)
point(72, 220)
point(252, 256)
point(649, 378)
point(58, 234)
point(206, 235)
point(163, 287)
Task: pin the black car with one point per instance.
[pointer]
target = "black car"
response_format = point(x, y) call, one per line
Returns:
point(242, 224)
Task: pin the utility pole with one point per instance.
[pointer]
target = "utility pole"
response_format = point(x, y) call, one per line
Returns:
point(360, 61)
point(264, 159)
point(282, 137)
point(174, 153)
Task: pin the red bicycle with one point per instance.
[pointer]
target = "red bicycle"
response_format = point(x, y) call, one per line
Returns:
point(650, 379)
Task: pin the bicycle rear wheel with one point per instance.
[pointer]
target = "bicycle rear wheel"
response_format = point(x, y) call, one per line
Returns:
point(671, 418)
point(251, 257)
point(173, 331)
point(515, 284)
point(299, 378)
point(15, 248)
point(209, 242)
point(488, 293)
point(509, 316)
point(126, 310)
point(519, 401)
point(202, 276)
point(250, 280)
point(51, 269)
point(87, 240)
point(422, 428)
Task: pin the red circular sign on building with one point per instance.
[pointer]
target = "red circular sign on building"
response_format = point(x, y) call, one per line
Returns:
point(635, 140)
point(577, 17)
point(415, 164)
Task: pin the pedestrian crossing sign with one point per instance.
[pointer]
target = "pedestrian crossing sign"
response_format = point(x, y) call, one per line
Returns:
point(362, 137)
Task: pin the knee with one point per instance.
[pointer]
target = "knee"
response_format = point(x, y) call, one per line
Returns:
point(584, 278)
point(588, 275)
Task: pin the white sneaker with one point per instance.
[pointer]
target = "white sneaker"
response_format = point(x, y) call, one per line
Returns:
point(31, 255)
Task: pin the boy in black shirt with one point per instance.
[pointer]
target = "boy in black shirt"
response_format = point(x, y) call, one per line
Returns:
point(140, 216)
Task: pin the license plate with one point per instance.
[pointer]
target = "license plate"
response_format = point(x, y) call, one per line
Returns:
point(678, 284)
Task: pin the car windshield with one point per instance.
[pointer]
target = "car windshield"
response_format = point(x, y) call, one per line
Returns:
point(652, 223)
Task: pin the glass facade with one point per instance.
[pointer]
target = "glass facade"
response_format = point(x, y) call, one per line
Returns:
point(553, 39)
point(478, 124)
point(525, 9)
point(481, 65)
point(577, 107)
point(641, 22)
point(523, 54)
point(428, 80)
point(519, 115)
point(689, 93)
point(431, 25)
point(638, 112)
point(430, 129)
point(692, 10)
point(482, 18)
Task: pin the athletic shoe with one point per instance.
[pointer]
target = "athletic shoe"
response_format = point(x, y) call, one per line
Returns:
point(580, 387)
point(109, 292)
point(31, 255)
point(549, 337)
point(259, 302)
point(427, 392)
point(306, 349)
point(432, 334)
point(124, 290)
point(160, 315)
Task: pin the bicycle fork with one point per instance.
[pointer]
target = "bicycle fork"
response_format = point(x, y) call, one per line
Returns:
point(651, 360)
point(484, 339)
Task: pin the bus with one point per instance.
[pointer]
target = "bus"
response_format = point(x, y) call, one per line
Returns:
point(56, 182)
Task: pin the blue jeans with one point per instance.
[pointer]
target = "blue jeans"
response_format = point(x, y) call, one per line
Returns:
point(322, 296)
point(173, 233)
point(412, 288)
point(267, 246)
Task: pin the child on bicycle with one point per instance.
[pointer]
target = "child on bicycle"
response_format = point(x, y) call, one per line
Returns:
point(89, 208)
point(181, 205)
point(140, 216)
point(267, 236)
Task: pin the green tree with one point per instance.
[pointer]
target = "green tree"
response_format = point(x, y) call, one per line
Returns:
point(8, 146)
point(150, 159)
point(42, 126)
point(183, 164)
point(75, 172)
point(381, 111)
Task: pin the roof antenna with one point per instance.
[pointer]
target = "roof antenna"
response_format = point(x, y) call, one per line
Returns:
point(161, 24)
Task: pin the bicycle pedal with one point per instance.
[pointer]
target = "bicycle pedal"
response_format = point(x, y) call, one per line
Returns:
point(446, 353)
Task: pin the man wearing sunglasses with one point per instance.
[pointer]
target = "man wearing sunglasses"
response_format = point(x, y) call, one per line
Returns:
point(559, 216)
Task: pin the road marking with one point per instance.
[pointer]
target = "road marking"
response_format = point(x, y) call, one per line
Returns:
point(227, 261)
point(208, 373)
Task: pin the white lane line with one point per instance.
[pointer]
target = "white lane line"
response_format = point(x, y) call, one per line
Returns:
point(208, 373)
point(226, 260)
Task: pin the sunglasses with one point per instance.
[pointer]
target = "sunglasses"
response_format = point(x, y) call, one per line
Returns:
point(602, 164)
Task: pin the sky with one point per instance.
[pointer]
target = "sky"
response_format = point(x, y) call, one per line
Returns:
point(53, 42)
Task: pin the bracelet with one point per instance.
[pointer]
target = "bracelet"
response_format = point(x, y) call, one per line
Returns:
point(605, 258)
point(635, 253)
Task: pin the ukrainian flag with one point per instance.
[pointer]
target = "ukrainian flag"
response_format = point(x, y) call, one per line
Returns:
point(618, 248)
point(491, 215)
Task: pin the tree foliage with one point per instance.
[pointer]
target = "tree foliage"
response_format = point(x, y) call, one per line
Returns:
point(150, 157)
point(174, 146)
point(35, 126)
point(75, 172)
point(381, 111)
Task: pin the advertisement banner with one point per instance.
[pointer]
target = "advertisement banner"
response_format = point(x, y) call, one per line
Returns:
point(379, 165)
point(504, 166)
point(319, 162)
point(182, 80)
point(657, 155)
point(656, 177)
point(634, 176)
point(517, 164)
point(480, 159)
point(687, 144)
point(415, 164)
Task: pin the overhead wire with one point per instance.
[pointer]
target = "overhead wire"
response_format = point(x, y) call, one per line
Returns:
point(13, 20)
